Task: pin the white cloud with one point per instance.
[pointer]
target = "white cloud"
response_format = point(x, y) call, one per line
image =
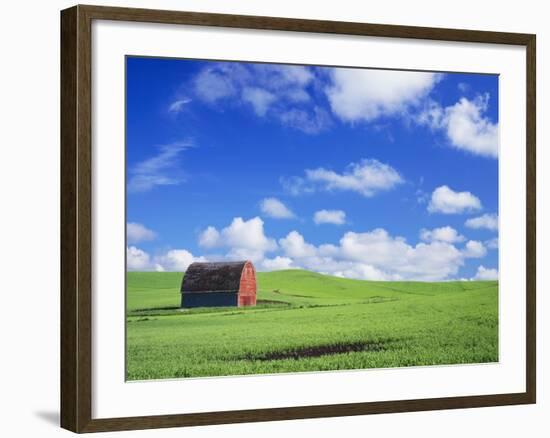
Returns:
point(277, 263)
point(445, 200)
point(137, 259)
point(336, 217)
point(173, 260)
point(136, 233)
point(443, 234)
point(247, 234)
point(176, 260)
point(259, 98)
point(364, 95)
point(360, 271)
point(371, 255)
point(484, 273)
point(394, 255)
point(274, 208)
point(492, 243)
point(178, 105)
point(487, 221)
point(214, 83)
point(209, 238)
point(463, 87)
point(375, 255)
point(468, 129)
point(283, 76)
point(474, 249)
point(279, 92)
point(244, 239)
point(309, 121)
point(159, 170)
point(294, 245)
point(367, 178)
point(297, 95)
point(465, 125)
point(296, 185)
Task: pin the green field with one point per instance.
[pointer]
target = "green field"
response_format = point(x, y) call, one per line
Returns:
point(306, 321)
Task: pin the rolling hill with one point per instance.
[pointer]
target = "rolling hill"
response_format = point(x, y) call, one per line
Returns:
point(306, 321)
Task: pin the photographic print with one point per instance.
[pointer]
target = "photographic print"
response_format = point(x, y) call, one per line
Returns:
point(295, 218)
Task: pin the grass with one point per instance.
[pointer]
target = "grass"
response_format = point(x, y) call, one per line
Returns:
point(308, 322)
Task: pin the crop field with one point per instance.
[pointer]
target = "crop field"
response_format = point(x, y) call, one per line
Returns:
point(306, 321)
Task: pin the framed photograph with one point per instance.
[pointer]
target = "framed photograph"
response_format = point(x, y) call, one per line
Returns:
point(269, 219)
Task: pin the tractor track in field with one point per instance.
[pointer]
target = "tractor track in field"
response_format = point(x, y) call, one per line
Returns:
point(323, 350)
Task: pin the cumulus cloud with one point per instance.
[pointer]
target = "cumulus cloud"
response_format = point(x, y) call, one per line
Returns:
point(294, 245)
point(370, 255)
point(474, 249)
point(487, 221)
point(364, 95)
point(277, 263)
point(244, 239)
point(136, 233)
point(173, 260)
point(176, 260)
point(274, 208)
point(137, 259)
point(484, 273)
point(209, 238)
point(443, 234)
point(366, 177)
point(375, 255)
point(447, 201)
point(336, 217)
point(160, 170)
point(465, 125)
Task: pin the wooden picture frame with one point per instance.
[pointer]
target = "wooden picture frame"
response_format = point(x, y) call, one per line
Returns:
point(76, 218)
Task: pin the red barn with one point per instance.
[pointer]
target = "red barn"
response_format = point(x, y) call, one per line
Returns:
point(219, 284)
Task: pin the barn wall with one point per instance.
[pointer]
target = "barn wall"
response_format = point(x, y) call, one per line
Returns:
point(209, 299)
point(247, 290)
point(247, 300)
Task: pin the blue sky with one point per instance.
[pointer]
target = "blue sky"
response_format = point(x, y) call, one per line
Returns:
point(361, 173)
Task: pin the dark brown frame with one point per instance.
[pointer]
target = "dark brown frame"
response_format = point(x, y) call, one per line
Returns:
point(76, 219)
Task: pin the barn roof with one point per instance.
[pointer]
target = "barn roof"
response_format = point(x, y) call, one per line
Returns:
point(213, 277)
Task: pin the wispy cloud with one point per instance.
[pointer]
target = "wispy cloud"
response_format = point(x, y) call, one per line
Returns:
point(159, 170)
point(311, 122)
point(367, 177)
point(492, 243)
point(259, 98)
point(178, 105)
point(284, 94)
